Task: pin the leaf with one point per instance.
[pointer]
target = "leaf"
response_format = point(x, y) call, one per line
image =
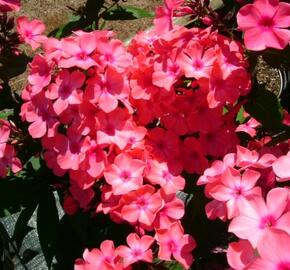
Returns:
point(240, 116)
point(126, 13)
point(21, 228)
point(264, 106)
point(17, 192)
point(47, 225)
point(28, 255)
point(278, 58)
point(65, 30)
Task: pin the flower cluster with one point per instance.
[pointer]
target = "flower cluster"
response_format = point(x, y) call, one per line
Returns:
point(126, 122)
point(8, 157)
point(244, 188)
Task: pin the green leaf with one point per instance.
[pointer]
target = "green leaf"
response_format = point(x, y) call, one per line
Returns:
point(47, 225)
point(240, 116)
point(278, 58)
point(21, 228)
point(65, 30)
point(17, 192)
point(264, 106)
point(126, 13)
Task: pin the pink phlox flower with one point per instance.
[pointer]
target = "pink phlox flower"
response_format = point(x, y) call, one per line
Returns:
point(196, 61)
point(249, 127)
point(160, 174)
point(9, 5)
point(71, 152)
point(125, 174)
point(66, 90)
point(274, 251)
point(264, 23)
point(216, 209)
point(107, 89)
point(173, 210)
point(257, 216)
point(174, 243)
point(281, 168)
point(166, 73)
point(240, 254)
point(111, 127)
point(234, 188)
point(39, 112)
point(77, 51)
point(113, 53)
point(40, 74)
point(226, 88)
point(5, 130)
point(31, 31)
point(138, 250)
point(141, 206)
point(163, 21)
point(104, 258)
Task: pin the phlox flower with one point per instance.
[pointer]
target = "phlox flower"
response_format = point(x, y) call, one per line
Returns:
point(240, 254)
point(257, 216)
point(66, 90)
point(77, 51)
point(263, 23)
point(106, 89)
point(234, 188)
point(39, 75)
point(31, 32)
point(281, 168)
point(9, 5)
point(174, 243)
point(82, 196)
point(160, 174)
point(172, 211)
point(138, 249)
point(196, 62)
point(141, 206)
point(104, 258)
point(125, 174)
point(4, 135)
point(9, 160)
point(274, 252)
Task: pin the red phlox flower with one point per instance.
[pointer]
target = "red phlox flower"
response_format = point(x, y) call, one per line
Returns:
point(82, 196)
point(281, 168)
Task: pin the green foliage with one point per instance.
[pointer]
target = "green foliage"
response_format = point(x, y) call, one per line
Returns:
point(126, 13)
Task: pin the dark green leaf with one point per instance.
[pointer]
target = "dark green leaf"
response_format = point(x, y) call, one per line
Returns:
point(28, 255)
point(126, 13)
point(278, 58)
point(47, 225)
point(17, 192)
point(21, 228)
point(74, 24)
point(264, 106)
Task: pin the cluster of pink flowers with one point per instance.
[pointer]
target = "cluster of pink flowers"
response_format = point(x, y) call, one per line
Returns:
point(8, 157)
point(126, 122)
point(245, 189)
